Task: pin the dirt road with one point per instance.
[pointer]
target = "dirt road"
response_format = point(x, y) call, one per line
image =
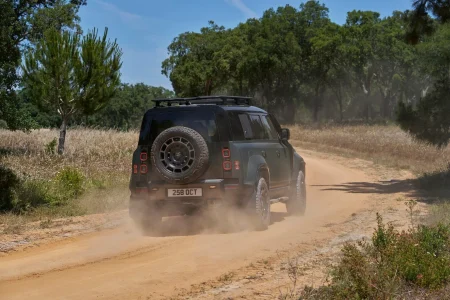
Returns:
point(122, 264)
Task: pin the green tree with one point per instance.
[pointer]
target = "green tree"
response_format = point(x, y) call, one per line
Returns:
point(193, 66)
point(125, 110)
point(429, 119)
point(21, 22)
point(361, 33)
point(72, 76)
point(320, 49)
point(59, 15)
point(422, 18)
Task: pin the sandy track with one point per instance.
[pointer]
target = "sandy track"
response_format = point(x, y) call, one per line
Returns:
point(122, 264)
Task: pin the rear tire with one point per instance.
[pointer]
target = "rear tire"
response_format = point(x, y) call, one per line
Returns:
point(259, 206)
point(297, 201)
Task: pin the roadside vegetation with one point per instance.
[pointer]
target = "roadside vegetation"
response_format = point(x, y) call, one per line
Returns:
point(393, 265)
point(412, 264)
point(37, 183)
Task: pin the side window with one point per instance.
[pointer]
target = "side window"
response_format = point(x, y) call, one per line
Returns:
point(275, 123)
point(259, 133)
point(245, 122)
point(270, 129)
point(236, 130)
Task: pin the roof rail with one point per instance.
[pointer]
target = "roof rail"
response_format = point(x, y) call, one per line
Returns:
point(219, 100)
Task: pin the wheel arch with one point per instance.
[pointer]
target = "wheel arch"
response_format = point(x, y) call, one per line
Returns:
point(257, 167)
point(299, 164)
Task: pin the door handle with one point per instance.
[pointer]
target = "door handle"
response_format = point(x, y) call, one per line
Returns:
point(263, 153)
point(278, 153)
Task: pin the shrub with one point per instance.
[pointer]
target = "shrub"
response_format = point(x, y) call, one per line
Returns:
point(50, 148)
point(8, 183)
point(69, 183)
point(3, 124)
point(32, 194)
point(382, 269)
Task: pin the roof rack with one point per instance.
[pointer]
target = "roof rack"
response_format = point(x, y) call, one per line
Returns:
point(219, 100)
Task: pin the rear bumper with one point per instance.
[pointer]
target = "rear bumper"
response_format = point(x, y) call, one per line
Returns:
point(214, 192)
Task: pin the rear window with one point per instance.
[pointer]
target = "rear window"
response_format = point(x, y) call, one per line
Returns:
point(202, 122)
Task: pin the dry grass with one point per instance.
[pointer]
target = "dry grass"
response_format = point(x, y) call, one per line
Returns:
point(105, 157)
point(388, 145)
point(101, 155)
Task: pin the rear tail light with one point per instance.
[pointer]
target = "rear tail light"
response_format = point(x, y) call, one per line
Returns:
point(226, 153)
point(135, 169)
point(227, 165)
point(144, 169)
point(141, 190)
point(143, 156)
point(231, 186)
point(237, 165)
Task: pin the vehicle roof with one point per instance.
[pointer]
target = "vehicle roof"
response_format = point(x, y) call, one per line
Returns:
point(203, 107)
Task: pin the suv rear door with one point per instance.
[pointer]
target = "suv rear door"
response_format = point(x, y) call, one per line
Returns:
point(277, 157)
point(258, 139)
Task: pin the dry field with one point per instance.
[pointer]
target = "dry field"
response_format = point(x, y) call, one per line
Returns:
point(387, 145)
point(104, 157)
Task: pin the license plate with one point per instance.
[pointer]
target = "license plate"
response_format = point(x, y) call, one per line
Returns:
point(194, 192)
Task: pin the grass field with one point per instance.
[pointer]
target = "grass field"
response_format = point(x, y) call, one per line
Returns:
point(97, 162)
point(103, 159)
point(387, 145)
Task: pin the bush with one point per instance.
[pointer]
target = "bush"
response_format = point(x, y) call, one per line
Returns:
point(50, 148)
point(382, 269)
point(32, 194)
point(24, 195)
point(3, 124)
point(69, 183)
point(8, 184)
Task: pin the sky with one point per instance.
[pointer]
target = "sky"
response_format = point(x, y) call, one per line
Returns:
point(144, 28)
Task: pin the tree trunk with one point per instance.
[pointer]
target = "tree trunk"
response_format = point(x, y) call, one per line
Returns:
point(341, 113)
point(62, 136)
point(208, 87)
point(367, 112)
point(386, 102)
point(316, 105)
point(289, 112)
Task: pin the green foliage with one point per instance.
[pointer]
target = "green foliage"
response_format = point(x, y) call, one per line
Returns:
point(21, 22)
point(69, 182)
point(22, 195)
point(3, 124)
point(126, 108)
point(60, 15)
point(32, 194)
point(428, 120)
point(8, 184)
point(69, 76)
point(50, 148)
point(382, 269)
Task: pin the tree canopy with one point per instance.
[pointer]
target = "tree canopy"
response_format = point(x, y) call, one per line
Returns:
point(22, 24)
point(70, 76)
point(301, 66)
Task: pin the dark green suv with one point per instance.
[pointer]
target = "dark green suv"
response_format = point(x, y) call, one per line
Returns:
point(197, 152)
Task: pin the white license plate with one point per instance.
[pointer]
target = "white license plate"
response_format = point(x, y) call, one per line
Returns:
point(194, 192)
